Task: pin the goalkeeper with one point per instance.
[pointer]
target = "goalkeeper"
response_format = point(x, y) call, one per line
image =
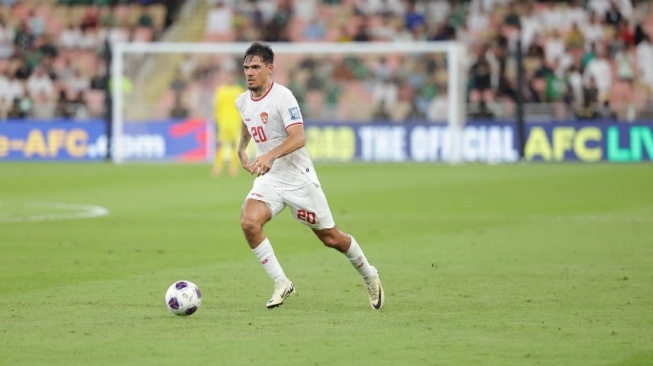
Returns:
point(228, 125)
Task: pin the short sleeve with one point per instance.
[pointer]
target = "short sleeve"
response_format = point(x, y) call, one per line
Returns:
point(290, 113)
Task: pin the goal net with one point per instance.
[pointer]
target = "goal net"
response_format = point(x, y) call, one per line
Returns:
point(360, 101)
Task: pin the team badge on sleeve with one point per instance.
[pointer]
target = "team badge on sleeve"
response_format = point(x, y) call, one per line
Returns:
point(294, 113)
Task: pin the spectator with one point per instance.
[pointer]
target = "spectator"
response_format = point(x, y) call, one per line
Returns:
point(412, 17)
point(381, 112)
point(145, 19)
point(315, 30)
point(556, 46)
point(382, 70)
point(574, 87)
point(331, 99)
point(22, 71)
point(626, 34)
point(218, 20)
point(362, 34)
point(588, 55)
point(438, 110)
point(113, 34)
point(643, 56)
point(639, 33)
point(536, 48)
point(477, 22)
point(88, 40)
point(625, 64)
point(11, 90)
point(99, 79)
point(40, 86)
point(276, 29)
point(70, 37)
point(384, 98)
point(481, 80)
point(42, 107)
point(179, 110)
point(343, 35)
point(482, 111)
point(593, 31)
point(530, 25)
point(5, 108)
point(36, 23)
point(178, 84)
point(401, 32)
point(77, 83)
point(23, 38)
point(48, 64)
point(588, 110)
point(91, 17)
point(62, 108)
point(574, 38)
point(65, 71)
point(613, 16)
point(7, 36)
point(80, 107)
point(22, 107)
point(574, 13)
point(599, 70)
point(47, 47)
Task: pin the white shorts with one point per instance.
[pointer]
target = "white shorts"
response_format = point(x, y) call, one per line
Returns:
point(308, 205)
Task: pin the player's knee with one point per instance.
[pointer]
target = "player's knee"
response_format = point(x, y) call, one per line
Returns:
point(248, 224)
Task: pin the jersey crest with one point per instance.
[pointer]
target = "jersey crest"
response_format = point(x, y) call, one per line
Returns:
point(264, 117)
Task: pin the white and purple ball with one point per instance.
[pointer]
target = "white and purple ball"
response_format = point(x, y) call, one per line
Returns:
point(183, 298)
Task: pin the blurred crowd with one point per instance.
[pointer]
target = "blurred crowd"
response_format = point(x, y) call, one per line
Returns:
point(52, 53)
point(581, 59)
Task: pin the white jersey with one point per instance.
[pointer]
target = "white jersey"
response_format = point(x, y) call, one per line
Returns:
point(267, 119)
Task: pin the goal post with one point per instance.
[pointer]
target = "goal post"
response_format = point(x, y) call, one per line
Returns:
point(147, 64)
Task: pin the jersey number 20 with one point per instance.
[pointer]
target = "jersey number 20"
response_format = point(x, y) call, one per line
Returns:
point(259, 134)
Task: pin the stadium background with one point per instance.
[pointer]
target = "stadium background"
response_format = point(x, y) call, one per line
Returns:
point(587, 92)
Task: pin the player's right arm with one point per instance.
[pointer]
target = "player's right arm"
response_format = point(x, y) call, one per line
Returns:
point(245, 137)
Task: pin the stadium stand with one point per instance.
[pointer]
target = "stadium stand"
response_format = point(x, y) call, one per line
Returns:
point(582, 59)
point(52, 53)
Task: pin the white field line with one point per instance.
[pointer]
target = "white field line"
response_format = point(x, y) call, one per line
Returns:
point(62, 211)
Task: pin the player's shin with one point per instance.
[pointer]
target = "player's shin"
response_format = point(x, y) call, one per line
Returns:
point(265, 255)
point(358, 260)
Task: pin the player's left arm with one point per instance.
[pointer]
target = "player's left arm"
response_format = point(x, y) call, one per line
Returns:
point(296, 140)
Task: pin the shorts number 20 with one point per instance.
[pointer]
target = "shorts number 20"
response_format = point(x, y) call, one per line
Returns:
point(306, 216)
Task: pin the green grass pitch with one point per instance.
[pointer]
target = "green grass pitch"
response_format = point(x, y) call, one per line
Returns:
point(524, 264)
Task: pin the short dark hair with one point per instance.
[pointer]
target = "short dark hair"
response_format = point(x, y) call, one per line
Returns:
point(262, 50)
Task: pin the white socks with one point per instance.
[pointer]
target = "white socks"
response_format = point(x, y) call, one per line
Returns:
point(268, 260)
point(358, 260)
point(265, 255)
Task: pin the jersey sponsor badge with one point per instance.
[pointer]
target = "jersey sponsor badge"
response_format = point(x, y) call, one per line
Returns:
point(264, 117)
point(294, 113)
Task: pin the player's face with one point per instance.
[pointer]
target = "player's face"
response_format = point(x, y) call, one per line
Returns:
point(257, 73)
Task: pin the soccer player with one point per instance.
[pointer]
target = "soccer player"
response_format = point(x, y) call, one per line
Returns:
point(285, 176)
point(228, 124)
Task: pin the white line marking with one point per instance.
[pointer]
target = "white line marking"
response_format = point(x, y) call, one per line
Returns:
point(62, 211)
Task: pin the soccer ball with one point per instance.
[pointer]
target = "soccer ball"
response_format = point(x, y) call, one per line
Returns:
point(183, 298)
